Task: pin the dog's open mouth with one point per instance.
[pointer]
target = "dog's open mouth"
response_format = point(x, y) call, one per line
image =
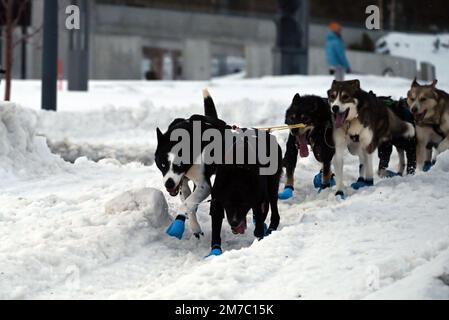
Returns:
point(420, 116)
point(301, 141)
point(175, 191)
point(340, 118)
point(240, 229)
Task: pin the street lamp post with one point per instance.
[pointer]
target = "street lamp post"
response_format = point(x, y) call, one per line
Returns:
point(50, 56)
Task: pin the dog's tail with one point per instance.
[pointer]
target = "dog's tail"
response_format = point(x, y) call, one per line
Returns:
point(209, 105)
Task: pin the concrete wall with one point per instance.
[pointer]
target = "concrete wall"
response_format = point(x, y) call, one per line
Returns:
point(365, 63)
point(259, 60)
point(116, 57)
point(166, 24)
point(197, 53)
point(197, 35)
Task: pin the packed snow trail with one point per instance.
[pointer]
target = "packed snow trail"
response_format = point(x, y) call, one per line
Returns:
point(57, 241)
point(365, 245)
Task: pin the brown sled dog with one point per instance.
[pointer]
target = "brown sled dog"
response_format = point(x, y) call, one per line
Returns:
point(430, 108)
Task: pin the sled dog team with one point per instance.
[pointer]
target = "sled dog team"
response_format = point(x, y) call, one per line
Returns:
point(349, 118)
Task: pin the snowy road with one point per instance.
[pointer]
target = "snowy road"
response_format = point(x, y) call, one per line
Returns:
point(56, 241)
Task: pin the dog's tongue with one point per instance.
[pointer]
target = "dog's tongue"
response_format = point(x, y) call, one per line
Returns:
point(303, 148)
point(339, 120)
point(240, 229)
point(420, 116)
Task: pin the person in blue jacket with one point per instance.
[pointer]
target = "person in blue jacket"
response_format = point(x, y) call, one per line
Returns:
point(336, 52)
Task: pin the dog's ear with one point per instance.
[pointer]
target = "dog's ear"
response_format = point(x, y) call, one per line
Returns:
point(415, 83)
point(434, 83)
point(355, 83)
point(160, 135)
point(297, 99)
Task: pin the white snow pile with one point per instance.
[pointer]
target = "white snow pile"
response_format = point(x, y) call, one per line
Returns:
point(421, 47)
point(22, 153)
point(150, 202)
point(123, 153)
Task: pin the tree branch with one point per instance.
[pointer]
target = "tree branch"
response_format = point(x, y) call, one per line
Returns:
point(22, 8)
point(4, 17)
point(26, 37)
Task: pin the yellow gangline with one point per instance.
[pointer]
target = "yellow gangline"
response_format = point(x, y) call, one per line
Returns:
point(284, 127)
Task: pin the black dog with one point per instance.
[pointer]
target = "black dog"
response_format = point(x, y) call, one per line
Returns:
point(176, 174)
point(240, 188)
point(402, 144)
point(314, 112)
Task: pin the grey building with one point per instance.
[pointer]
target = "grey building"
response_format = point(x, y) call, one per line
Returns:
point(130, 42)
point(171, 39)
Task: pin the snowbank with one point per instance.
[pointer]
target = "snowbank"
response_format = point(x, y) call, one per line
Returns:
point(123, 153)
point(22, 153)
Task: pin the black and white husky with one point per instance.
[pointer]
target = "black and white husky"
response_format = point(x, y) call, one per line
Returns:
point(177, 174)
point(361, 123)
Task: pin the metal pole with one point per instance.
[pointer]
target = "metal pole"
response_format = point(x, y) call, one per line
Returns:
point(23, 70)
point(50, 56)
point(304, 15)
point(78, 59)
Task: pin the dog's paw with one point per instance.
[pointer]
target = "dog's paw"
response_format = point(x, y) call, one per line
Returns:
point(177, 228)
point(287, 193)
point(196, 229)
point(199, 235)
point(260, 234)
point(215, 252)
point(269, 231)
point(386, 174)
point(392, 174)
point(362, 183)
point(340, 195)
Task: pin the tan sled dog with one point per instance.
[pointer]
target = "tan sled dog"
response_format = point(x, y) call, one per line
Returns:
point(430, 108)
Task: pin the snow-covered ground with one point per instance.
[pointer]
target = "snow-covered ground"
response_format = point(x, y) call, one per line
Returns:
point(57, 240)
point(421, 47)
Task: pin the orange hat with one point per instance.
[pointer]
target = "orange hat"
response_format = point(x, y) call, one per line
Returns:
point(335, 26)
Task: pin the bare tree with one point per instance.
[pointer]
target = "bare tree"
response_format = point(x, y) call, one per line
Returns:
point(13, 12)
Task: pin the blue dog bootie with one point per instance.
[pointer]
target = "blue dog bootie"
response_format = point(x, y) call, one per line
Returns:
point(362, 183)
point(318, 182)
point(287, 193)
point(177, 228)
point(427, 166)
point(215, 252)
